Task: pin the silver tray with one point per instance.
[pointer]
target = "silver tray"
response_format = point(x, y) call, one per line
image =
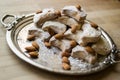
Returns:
point(16, 39)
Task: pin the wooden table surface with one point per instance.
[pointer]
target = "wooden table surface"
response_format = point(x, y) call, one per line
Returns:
point(106, 13)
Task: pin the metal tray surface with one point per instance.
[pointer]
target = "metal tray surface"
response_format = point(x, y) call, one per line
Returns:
point(50, 59)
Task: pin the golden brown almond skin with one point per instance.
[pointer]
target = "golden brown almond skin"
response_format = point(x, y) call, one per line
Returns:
point(31, 37)
point(58, 12)
point(39, 11)
point(51, 32)
point(34, 54)
point(47, 44)
point(66, 66)
point(73, 28)
point(78, 7)
point(94, 25)
point(59, 36)
point(65, 60)
point(94, 60)
point(73, 43)
point(79, 26)
point(89, 49)
point(35, 44)
point(66, 54)
point(30, 48)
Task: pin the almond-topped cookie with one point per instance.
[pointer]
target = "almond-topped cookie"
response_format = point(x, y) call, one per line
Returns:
point(68, 21)
point(57, 27)
point(85, 53)
point(75, 12)
point(46, 15)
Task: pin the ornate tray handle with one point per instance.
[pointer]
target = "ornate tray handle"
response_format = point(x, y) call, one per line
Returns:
point(9, 26)
point(117, 56)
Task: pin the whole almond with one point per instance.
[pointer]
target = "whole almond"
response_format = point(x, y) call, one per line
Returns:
point(51, 32)
point(73, 43)
point(34, 54)
point(58, 12)
point(34, 44)
point(59, 36)
point(94, 25)
point(39, 11)
point(78, 18)
point(82, 44)
point(89, 49)
point(30, 48)
point(66, 66)
point(65, 60)
point(31, 37)
point(47, 44)
point(32, 32)
point(73, 28)
point(93, 60)
point(66, 54)
point(78, 7)
point(79, 26)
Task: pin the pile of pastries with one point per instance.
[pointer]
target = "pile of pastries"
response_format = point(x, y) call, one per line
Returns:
point(69, 31)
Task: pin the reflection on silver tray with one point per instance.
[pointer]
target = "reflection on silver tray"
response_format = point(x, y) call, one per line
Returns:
point(16, 39)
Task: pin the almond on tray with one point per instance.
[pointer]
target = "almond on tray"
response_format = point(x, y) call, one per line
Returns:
point(35, 44)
